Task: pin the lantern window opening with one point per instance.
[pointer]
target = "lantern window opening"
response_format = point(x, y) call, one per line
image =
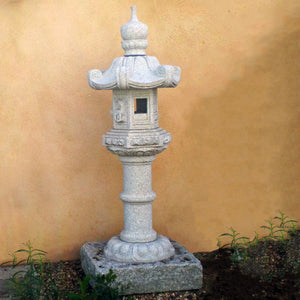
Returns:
point(141, 106)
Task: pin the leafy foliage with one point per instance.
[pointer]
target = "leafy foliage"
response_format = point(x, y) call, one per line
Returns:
point(106, 288)
point(35, 281)
point(258, 257)
point(84, 295)
point(238, 244)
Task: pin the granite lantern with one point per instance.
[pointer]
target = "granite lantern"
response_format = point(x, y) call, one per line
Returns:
point(136, 138)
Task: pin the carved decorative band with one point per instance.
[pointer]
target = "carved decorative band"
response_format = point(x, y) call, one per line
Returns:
point(143, 141)
point(119, 150)
point(146, 197)
point(134, 47)
point(157, 250)
point(137, 143)
point(114, 141)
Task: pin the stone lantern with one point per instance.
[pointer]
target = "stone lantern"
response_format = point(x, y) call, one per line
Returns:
point(136, 138)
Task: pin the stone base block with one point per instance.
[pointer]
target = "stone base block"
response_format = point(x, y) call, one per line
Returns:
point(180, 272)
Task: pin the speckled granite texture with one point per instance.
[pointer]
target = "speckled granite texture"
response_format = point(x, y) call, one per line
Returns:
point(180, 272)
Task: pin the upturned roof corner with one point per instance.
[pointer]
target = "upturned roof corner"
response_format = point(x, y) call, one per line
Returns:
point(135, 70)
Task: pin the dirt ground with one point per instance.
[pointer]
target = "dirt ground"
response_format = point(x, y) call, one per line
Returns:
point(271, 270)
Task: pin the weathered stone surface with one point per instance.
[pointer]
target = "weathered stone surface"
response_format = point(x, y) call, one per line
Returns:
point(180, 272)
point(5, 274)
point(144, 252)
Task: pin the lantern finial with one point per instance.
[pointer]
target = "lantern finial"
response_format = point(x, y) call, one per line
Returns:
point(134, 34)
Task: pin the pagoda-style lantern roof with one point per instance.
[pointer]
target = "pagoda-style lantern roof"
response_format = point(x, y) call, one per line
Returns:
point(135, 70)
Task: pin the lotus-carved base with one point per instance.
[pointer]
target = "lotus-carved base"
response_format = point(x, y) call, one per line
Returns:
point(180, 272)
point(149, 252)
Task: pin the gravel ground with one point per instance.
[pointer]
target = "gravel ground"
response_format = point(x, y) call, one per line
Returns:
point(271, 270)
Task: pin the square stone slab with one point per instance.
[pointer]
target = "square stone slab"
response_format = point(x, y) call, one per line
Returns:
point(183, 271)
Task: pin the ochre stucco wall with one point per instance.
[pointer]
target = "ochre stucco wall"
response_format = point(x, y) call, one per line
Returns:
point(234, 120)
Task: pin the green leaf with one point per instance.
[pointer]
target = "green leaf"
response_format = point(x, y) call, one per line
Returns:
point(21, 250)
point(74, 296)
point(225, 234)
point(265, 227)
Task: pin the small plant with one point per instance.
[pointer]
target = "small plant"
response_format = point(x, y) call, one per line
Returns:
point(293, 227)
point(286, 222)
point(106, 288)
point(255, 241)
point(275, 232)
point(280, 227)
point(30, 283)
point(257, 256)
point(35, 282)
point(238, 244)
point(83, 290)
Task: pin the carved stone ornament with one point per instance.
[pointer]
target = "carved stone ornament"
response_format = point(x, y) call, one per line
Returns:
point(135, 70)
point(136, 138)
point(137, 143)
point(158, 250)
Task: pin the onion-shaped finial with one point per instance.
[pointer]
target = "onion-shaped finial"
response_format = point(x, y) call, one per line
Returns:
point(134, 34)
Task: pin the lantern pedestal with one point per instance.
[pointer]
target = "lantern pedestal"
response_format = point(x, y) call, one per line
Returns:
point(180, 272)
point(138, 242)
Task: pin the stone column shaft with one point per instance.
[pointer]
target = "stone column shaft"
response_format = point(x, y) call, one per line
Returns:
point(137, 196)
point(138, 242)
